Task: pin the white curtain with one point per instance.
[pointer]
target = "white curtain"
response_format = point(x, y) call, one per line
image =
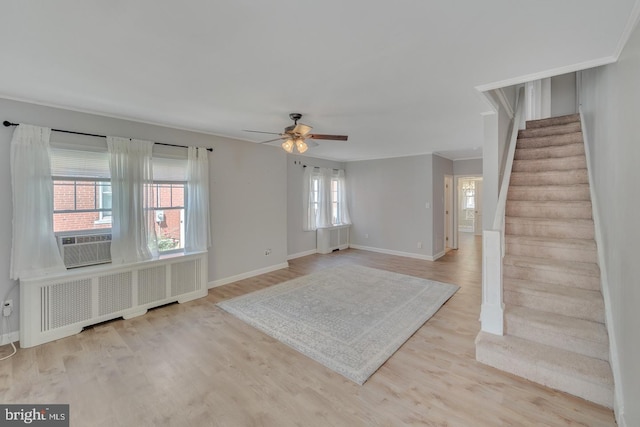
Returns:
point(133, 235)
point(309, 220)
point(34, 250)
point(324, 198)
point(343, 209)
point(197, 230)
point(317, 192)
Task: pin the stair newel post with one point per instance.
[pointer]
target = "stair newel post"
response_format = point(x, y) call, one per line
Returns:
point(492, 310)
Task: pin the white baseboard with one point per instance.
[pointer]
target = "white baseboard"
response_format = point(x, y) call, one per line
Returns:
point(396, 253)
point(301, 254)
point(10, 337)
point(248, 274)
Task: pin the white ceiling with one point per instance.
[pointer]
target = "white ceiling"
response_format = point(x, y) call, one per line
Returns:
point(398, 77)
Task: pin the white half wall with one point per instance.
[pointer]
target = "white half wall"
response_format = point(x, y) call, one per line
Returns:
point(610, 97)
point(248, 184)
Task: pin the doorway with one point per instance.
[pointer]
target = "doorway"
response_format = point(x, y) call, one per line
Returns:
point(469, 211)
point(449, 220)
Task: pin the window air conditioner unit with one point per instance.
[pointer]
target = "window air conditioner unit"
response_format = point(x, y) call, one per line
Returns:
point(85, 249)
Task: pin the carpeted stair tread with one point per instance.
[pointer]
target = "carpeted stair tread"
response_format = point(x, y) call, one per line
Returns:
point(571, 301)
point(549, 209)
point(558, 151)
point(549, 192)
point(546, 165)
point(567, 177)
point(573, 267)
point(567, 371)
point(565, 273)
point(550, 130)
point(549, 141)
point(558, 228)
point(578, 335)
point(581, 250)
point(553, 121)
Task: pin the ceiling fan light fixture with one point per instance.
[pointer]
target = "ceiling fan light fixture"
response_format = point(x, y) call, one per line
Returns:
point(301, 129)
point(288, 146)
point(301, 146)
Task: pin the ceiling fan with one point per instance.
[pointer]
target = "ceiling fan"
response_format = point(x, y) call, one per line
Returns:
point(297, 136)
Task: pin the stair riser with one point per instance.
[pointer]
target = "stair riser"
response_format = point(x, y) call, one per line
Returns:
point(527, 209)
point(546, 165)
point(553, 121)
point(548, 193)
point(519, 327)
point(549, 178)
point(580, 309)
point(556, 231)
point(551, 130)
point(553, 253)
point(557, 277)
point(549, 152)
point(550, 141)
point(599, 393)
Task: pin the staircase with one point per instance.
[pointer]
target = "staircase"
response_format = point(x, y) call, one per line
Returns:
point(554, 312)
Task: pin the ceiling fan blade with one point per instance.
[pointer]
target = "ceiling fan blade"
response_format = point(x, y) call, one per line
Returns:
point(271, 140)
point(328, 137)
point(259, 131)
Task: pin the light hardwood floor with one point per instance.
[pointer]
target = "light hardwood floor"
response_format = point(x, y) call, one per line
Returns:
point(195, 365)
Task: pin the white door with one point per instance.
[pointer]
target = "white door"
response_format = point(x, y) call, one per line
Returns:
point(448, 212)
point(477, 218)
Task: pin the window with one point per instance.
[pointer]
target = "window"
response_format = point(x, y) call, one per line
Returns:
point(82, 195)
point(469, 195)
point(325, 198)
point(335, 202)
point(81, 204)
point(169, 206)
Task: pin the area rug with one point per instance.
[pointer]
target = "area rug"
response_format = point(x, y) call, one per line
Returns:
point(351, 319)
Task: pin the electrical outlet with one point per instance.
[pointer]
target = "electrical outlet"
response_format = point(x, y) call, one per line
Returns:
point(419, 245)
point(366, 236)
point(267, 252)
point(7, 308)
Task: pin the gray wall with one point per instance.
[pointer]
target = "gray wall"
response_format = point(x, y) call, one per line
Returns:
point(247, 186)
point(563, 95)
point(387, 202)
point(467, 167)
point(301, 242)
point(610, 97)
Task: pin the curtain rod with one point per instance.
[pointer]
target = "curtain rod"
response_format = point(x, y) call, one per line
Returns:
point(7, 123)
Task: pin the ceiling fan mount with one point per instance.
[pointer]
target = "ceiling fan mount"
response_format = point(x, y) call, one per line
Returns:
point(295, 136)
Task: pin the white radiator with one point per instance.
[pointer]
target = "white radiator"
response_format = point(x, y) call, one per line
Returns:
point(54, 307)
point(331, 238)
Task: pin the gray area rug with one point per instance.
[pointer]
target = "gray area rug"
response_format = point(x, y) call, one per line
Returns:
point(351, 318)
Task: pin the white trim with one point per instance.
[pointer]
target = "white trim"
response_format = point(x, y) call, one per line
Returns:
point(547, 73)
point(505, 103)
point(614, 355)
point(634, 17)
point(248, 274)
point(398, 253)
point(301, 254)
point(10, 337)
